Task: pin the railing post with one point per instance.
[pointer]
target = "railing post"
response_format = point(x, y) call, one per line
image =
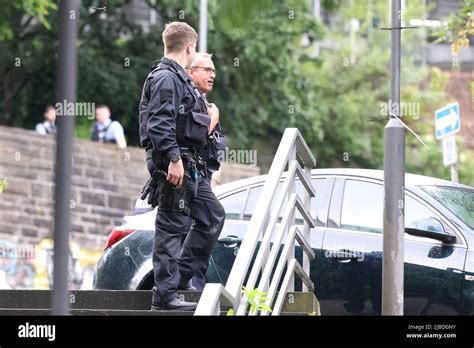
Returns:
point(306, 228)
point(292, 189)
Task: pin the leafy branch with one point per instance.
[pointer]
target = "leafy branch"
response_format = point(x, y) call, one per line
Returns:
point(257, 301)
point(459, 27)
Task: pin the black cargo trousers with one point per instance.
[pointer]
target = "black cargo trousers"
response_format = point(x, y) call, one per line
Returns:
point(175, 263)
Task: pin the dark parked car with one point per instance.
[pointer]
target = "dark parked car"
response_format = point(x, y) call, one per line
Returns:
point(347, 270)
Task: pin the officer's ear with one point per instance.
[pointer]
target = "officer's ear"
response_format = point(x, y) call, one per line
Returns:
point(189, 48)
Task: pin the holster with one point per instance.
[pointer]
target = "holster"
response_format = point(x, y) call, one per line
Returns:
point(165, 195)
point(171, 198)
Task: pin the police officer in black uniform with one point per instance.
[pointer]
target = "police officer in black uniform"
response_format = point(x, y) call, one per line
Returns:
point(174, 129)
point(203, 74)
point(212, 153)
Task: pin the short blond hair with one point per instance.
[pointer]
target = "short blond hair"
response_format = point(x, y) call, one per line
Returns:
point(177, 35)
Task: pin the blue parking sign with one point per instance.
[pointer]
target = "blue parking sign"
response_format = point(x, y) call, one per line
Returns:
point(447, 121)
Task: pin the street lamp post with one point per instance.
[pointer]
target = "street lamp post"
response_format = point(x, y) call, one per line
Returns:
point(394, 186)
point(65, 91)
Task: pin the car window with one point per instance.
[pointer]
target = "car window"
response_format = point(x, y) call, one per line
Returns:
point(318, 185)
point(415, 211)
point(458, 200)
point(254, 194)
point(234, 204)
point(362, 206)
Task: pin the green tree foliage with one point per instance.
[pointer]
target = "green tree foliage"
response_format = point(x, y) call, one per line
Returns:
point(460, 26)
point(16, 15)
point(262, 76)
point(28, 47)
point(268, 77)
point(114, 58)
point(421, 87)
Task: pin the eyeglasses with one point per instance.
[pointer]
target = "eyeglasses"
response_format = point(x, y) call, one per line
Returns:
point(206, 69)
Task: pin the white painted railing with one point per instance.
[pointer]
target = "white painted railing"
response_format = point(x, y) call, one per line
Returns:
point(263, 226)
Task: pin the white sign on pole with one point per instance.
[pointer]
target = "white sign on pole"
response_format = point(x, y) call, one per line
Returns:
point(450, 155)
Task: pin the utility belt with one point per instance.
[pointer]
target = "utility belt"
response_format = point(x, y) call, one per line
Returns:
point(192, 162)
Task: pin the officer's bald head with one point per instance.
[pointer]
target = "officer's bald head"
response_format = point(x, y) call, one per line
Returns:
point(177, 36)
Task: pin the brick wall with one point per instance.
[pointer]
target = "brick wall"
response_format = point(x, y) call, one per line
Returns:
point(105, 183)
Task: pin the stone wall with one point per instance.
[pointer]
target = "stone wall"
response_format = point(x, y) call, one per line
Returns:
point(232, 172)
point(105, 184)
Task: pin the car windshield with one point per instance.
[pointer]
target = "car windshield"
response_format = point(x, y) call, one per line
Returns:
point(458, 200)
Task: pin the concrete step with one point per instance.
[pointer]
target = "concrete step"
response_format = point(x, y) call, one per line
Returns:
point(101, 312)
point(86, 299)
point(120, 302)
point(112, 312)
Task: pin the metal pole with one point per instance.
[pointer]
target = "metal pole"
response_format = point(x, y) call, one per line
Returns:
point(317, 9)
point(203, 26)
point(352, 36)
point(454, 166)
point(454, 173)
point(317, 15)
point(65, 91)
point(394, 185)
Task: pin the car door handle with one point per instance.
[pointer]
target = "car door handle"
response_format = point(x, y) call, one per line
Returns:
point(343, 255)
point(230, 241)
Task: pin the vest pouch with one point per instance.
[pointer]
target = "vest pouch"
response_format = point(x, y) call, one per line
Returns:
point(216, 148)
point(197, 125)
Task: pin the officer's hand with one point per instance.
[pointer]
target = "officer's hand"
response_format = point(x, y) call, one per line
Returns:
point(213, 112)
point(175, 173)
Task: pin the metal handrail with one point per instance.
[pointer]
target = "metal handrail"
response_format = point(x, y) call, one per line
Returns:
point(288, 216)
point(294, 168)
point(294, 233)
point(291, 145)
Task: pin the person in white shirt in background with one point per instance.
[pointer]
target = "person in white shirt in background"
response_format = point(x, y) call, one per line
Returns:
point(107, 131)
point(48, 126)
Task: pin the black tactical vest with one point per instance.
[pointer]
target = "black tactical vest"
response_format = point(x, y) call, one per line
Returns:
point(99, 135)
point(185, 112)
